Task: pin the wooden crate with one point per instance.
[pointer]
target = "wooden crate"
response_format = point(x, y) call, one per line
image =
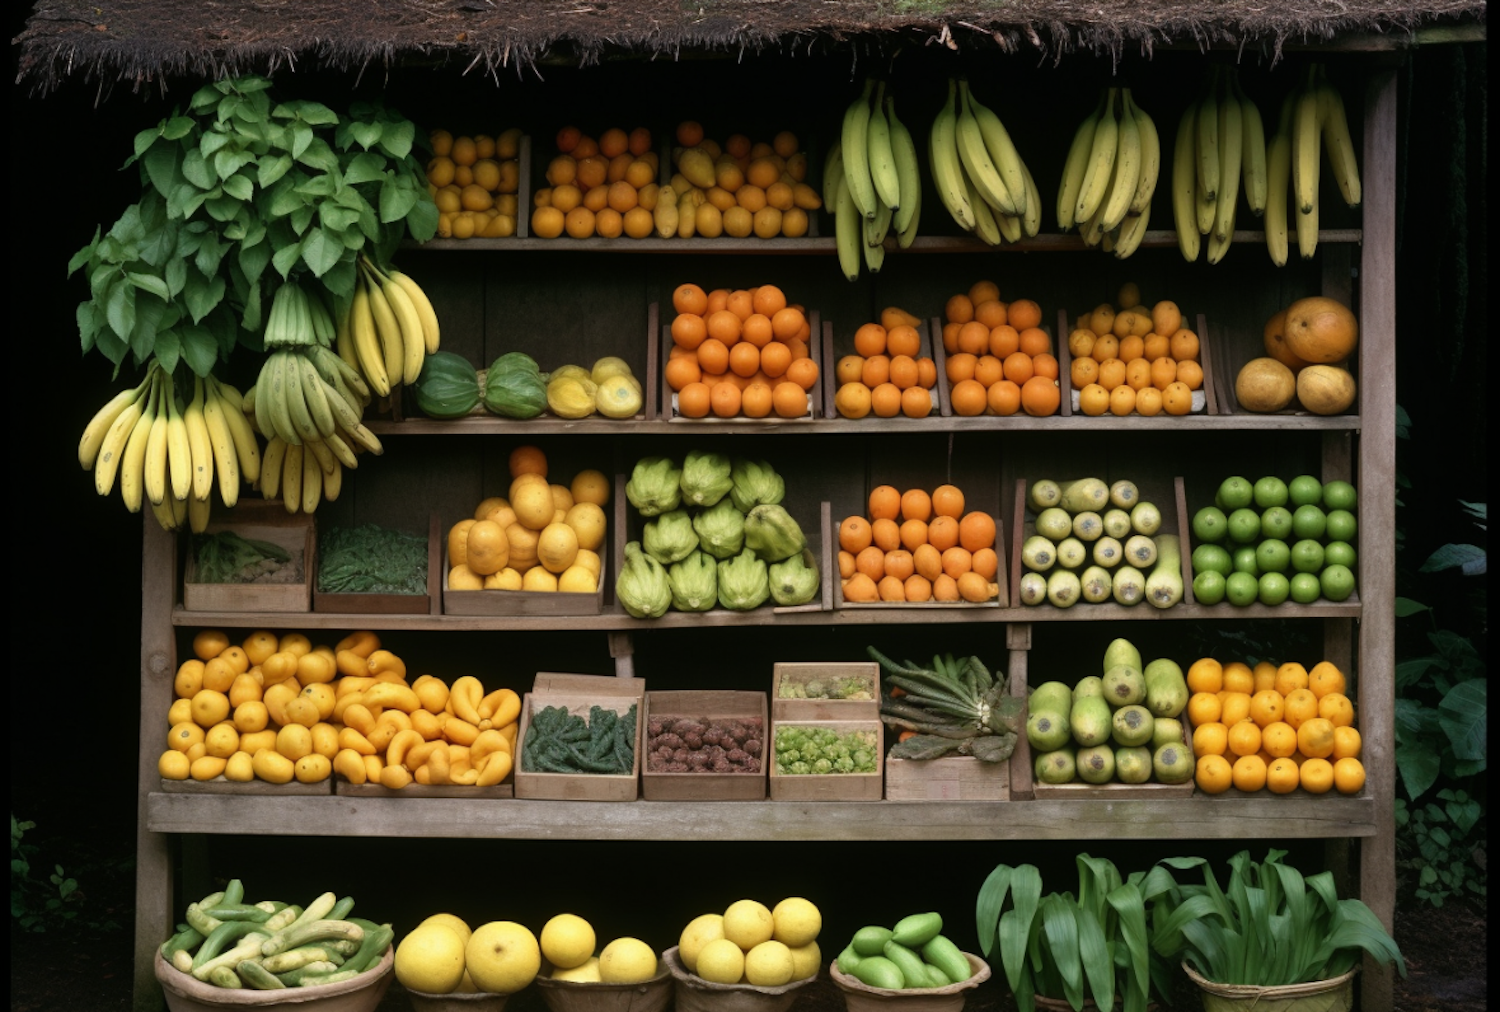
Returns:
point(828, 786)
point(950, 778)
point(790, 708)
point(293, 532)
point(430, 603)
point(517, 602)
point(344, 789)
point(1169, 498)
point(712, 705)
point(1207, 399)
point(249, 788)
point(836, 347)
point(579, 693)
point(666, 406)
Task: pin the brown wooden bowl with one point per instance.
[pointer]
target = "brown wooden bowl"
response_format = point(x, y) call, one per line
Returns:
point(186, 993)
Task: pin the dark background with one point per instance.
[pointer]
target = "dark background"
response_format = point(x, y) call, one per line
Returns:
point(76, 611)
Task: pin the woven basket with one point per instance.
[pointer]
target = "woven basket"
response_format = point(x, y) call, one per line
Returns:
point(1333, 995)
point(694, 994)
point(861, 997)
point(1061, 1004)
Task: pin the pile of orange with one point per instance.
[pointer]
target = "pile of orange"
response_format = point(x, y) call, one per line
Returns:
point(742, 187)
point(1000, 359)
point(604, 186)
point(741, 352)
point(474, 180)
point(1273, 727)
point(917, 547)
point(1135, 360)
point(887, 375)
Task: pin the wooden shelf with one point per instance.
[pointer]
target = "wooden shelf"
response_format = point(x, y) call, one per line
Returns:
point(1200, 817)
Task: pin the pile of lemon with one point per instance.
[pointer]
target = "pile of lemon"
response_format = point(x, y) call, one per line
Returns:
point(750, 943)
point(474, 180)
point(568, 945)
point(541, 535)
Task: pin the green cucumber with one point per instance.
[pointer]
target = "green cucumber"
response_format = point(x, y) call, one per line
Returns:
point(247, 948)
point(224, 976)
point(949, 958)
point(916, 930)
point(198, 917)
point(310, 931)
point(291, 959)
point(234, 893)
point(314, 979)
point(848, 959)
point(371, 949)
point(878, 971)
point(219, 937)
point(908, 961)
point(936, 977)
point(283, 918)
point(870, 941)
point(182, 960)
point(256, 976)
point(186, 938)
point(342, 909)
point(317, 968)
point(240, 912)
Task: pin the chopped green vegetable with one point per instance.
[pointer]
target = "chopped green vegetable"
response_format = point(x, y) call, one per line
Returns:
point(560, 742)
point(370, 559)
point(226, 557)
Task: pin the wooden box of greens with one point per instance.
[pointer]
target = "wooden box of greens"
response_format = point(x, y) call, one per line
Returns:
point(350, 602)
point(711, 706)
point(810, 690)
point(293, 534)
point(579, 694)
point(828, 786)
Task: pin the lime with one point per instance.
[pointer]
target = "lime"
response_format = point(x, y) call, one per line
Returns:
point(1274, 588)
point(1270, 491)
point(1339, 553)
point(1209, 587)
point(1244, 525)
point(1307, 557)
point(1212, 558)
point(1341, 525)
point(1305, 588)
point(1234, 493)
point(1340, 495)
point(1309, 521)
point(1272, 556)
point(1244, 560)
point(1337, 582)
point(1276, 522)
point(1209, 524)
point(1241, 588)
point(1305, 490)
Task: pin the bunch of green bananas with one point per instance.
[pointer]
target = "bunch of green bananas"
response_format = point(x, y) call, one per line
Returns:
point(168, 455)
point(308, 403)
point(1313, 109)
point(1110, 175)
point(1220, 149)
point(389, 330)
point(980, 176)
point(871, 182)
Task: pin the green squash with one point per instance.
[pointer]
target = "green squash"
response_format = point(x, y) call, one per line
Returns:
point(448, 386)
point(514, 387)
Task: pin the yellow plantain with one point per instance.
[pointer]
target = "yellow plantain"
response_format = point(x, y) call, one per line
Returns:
point(1305, 149)
point(367, 344)
point(99, 426)
point(341, 450)
point(225, 458)
point(909, 175)
point(1253, 154)
point(848, 229)
point(1340, 146)
point(1278, 183)
point(985, 225)
point(854, 143)
point(388, 328)
point(1101, 163)
point(979, 169)
point(1031, 221)
point(312, 481)
point(318, 450)
point(882, 158)
point(154, 469)
point(246, 449)
point(1208, 140)
point(1185, 186)
point(431, 331)
point(1075, 169)
point(199, 443)
point(1132, 230)
point(291, 478)
point(179, 448)
point(1126, 175)
point(1145, 186)
point(271, 464)
point(947, 169)
point(314, 394)
point(833, 174)
point(1231, 147)
point(133, 459)
point(199, 512)
point(333, 482)
point(113, 445)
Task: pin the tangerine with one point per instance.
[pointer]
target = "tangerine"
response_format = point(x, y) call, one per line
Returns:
point(1348, 775)
point(1004, 398)
point(789, 398)
point(1040, 396)
point(1249, 773)
point(1004, 341)
point(968, 398)
point(1214, 775)
point(884, 503)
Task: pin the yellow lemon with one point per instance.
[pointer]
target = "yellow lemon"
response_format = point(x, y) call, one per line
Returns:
point(222, 740)
point(699, 932)
point(259, 645)
point(532, 501)
point(721, 962)
point(487, 549)
point(589, 560)
point(556, 547)
point(588, 522)
point(461, 577)
point(179, 711)
point(577, 580)
point(522, 546)
point(240, 768)
point(567, 941)
point(503, 957)
point(173, 765)
point(769, 964)
point(588, 973)
point(537, 578)
point(627, 961)
point(747, 923)
point(430, 959)
point(189, 678)
point(796, 921)
point(591, 486)
point(297, 643)
point(506, 579)
point(206, 767)
point(562, 497)
point(209, 707)
point(807, 960)
point(184, 736)
point(488, 506)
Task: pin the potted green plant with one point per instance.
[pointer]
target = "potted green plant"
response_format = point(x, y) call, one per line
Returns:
point(1270, 935)
point(1063, 947)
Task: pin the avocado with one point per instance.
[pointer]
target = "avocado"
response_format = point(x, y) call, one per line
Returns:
point(1124, 685)
point(1133, 764)
point(1132, 725)
point(1090, 721)
point(1096, 765)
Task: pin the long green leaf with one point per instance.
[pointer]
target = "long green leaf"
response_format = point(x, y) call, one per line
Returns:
point(1130, 908)
point(987, 907)
point(1094, 954)
point(1060, 923)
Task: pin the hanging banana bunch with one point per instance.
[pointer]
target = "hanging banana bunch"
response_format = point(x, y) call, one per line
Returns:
point(167, 454)
point(871, 182)
point(1312, 112)
point(980, 176)
point(389, 329)
point(1110, 174)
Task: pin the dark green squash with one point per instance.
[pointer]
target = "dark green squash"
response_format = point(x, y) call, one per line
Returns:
point(448, 386)
point(514, 387)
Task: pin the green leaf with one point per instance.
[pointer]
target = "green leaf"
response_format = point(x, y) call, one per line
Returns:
point(178, 127)
point(239, 187)
point(213, 140)
point(1406, 606)
point(422, 220)
point(198, 348)
point(306, 111)
point(1093, 953)
point(1470, 558)
point(285, 257)
point(1463, 714)
point(120, 307)
point(319, 186)
point(196, 170)
point(229, 161)
point(221, 208)
point(364, 168)
point(366, 135)
point(338, 219)
point(111, 346)
point(302, 138)
point(202, 293)
point(205, 97)
point(271, 169)
point(988, 906)
point(285, 197)
point(301, 218)
point(321, 250)
point(320, 156)
point(84, 255)
point(167, 349)
point(145, 139)
point(185, 199)
point(175, 275)
point(210, 252)
point(396, 139)
point(395, 199)
point(253, 259)
point(340, 281)
point(149, 283)
point(90, 319)
point(161, 164)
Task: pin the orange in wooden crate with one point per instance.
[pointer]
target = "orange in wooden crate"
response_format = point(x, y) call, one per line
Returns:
point(1000, 359)
point(739, 353)
point(917, 547)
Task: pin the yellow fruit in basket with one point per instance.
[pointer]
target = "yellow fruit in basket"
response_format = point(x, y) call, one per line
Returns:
point(562, 497)
point(184, 736)
point(522, 546)
point(532, 501)
point(209, 707)
point(222, 740)
point(189, 678)
point(588, 973)
point(461, 577)
point(591, 486)
point(747, 923)
point(590, 561)
point(699, 932)
point(807, 960)
point(721, 962)
point(567, 941)
point(627, 961)
point(173, 765)
point(456, 923)
point(769, 964)
point(430, 959)
point(588, 522)
point(503, 957)
point(272, 767)
point(537, 578)
point(317, 666)
point(180, 710)
point(239, 768)
point(486, 548)
point(506, 579)
point(577, 580)
point(557, 547)
point(795, 921)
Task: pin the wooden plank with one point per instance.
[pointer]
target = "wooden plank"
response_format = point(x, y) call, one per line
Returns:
point(1018, 640)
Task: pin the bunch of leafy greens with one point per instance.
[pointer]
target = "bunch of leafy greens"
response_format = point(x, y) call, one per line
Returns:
point(239, 183)
point(370, 559)
point(226, 557)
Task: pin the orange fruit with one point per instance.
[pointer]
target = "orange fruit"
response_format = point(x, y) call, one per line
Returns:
point(1267, 706)
point(870, 561)
point(1214, 775)
point(1023, 313)
point(1166, 318)
point(1040, 396)
point(1004, 398)
point(968, 398)
point(688, 330)
point(973, 337)
point(1112, 374)
point(1265, 675)
point(870, 339)
point(917, 588)
point(1035, 341)
point(942, 532)
point(1205, 675)
point(1157, 346)
point(1249, 773)
point(988, 370)
point(1018, 368)
point(787, 323)
point(950, 342)
point(976, 530)
point(757, 330)
point(1081, 343)
point(1316, 776)
point(884, 503)
point(1238, 677)
point(681, 371)
point(861, 588)
point(849, 369)
point(898, 563)
point(1346, 743)
point(757, 400)
point(1337, 707)
point(713, 357)
point(913, 534)
point(876, 370)
point(724, 326)
point(916, 504)
point(983, 291)
point(1315, 738)
point(990, 312)
point(957, 561)
point(886, 400)
point(1234, 707)
point(1299, 705)
point(945, 588)
point(948, 501)
point(1325, 677)
point(804, 373)
point(853, 400)
point(775, 359)
point(1348, 775)
point(916, 402)
point(1283, 776)
point(846, 564)
point(1318, 329)
point(789, 398)
point(891, 588)
point(885, 533)
point(1244, 737)
point(1121, 401)
point(1131, 348)
point(1204, 708)
point(693, 400)
point(1279, 739)
point(1148, 402)
point(1093, 400)
point(1190, 375)
point(724, 399)
point(903, 340)
point(1138, 374)
point(1163, 372)
point(1211, 738)
point(1106, 347)
point(1004, 341)
point(958, 309)
point(986, 563)
point(1177, 399)
point(928, 561)
point(855, 534)
point(1082, 372)
point(961, 367)
point(1046, 365)
point(744, 359)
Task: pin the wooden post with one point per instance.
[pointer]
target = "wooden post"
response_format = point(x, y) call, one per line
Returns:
point(1377, 512)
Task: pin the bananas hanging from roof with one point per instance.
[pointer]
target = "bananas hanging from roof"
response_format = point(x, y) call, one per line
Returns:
point(1110, 174)
point(388, 329)
point(876, 156)
point(980, 176)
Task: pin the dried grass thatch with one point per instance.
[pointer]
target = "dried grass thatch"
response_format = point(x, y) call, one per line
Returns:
point(137, 42)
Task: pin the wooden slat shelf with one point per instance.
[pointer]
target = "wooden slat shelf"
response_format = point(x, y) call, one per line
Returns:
point(1200, 817)
point(824, 245)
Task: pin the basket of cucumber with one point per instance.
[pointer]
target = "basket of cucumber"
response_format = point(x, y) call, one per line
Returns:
point(862, 997)
point(361, 993)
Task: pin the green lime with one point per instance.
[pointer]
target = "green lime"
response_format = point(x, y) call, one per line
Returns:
point(1340, 495)
point(1272, 556)
point(1305, 490)
point(1270, 491)
point(1341, 525)
point(1305, 588)
point(1212, 558)
point(1309, 521)
point(1337, 582)
point(1242, 589)
point(1339, 553)
point(1276, 522)
point(1235, 493)
point(1209, 524)
point(1308, 557)
point(1274, 588)
point(1244, 526)
point(1209, 587)
point(1244, 560)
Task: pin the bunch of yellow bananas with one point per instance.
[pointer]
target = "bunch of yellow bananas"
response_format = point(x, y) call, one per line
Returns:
point(872, 182)
point(980, 176)
point(1312, 110)
point(389, 330)
point(1110, 175)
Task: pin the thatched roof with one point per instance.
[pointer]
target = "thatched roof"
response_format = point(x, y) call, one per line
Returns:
point(136, 42)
